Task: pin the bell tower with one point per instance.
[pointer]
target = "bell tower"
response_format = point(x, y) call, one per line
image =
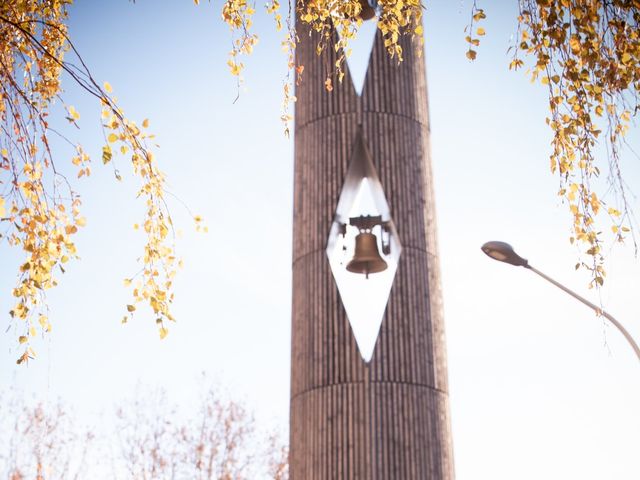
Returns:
point(371, 406)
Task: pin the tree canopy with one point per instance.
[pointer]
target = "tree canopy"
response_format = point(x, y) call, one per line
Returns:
point(587, 53)
point(149, 436)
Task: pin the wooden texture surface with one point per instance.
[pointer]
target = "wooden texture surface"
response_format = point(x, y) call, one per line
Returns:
point(388, 419)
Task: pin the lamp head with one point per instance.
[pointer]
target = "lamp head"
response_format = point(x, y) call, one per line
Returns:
point(503, 252)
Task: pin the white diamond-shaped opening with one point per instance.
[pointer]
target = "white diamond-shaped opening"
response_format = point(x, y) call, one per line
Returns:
point(359, 51)
point(364, 297)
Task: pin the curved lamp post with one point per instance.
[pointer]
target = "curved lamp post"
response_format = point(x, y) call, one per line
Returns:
point(503, 252)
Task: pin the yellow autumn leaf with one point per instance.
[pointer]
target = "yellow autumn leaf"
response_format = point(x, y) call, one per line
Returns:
point(145, 123)
point(574, 43)
point(107, 87)
point(112, 137)
point(235, 68)
point(481, 31)
point(163, 333)
point(479, 15)
point(73, 113)
point(614, 212)
point(328, 85)
point(131, 308)
point(107, 154)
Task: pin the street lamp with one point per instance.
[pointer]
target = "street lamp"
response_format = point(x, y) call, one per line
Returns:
point(503, 252)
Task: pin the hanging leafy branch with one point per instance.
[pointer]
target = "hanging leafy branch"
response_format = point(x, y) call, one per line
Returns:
point(587, 53)
point(39, 210)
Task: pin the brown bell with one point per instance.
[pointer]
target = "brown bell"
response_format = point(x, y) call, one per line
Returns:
point(367, 258)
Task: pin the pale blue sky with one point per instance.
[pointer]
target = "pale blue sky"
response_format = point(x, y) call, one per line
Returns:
point(535, 391)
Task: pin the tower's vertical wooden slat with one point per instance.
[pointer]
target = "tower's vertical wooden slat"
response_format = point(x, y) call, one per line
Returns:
point(389, 419)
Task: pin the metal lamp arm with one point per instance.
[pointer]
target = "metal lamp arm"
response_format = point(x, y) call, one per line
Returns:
point(594, 307)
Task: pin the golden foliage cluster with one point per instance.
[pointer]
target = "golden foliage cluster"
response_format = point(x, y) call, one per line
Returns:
point(587, 53)
point(40, 213)
point(327, 18)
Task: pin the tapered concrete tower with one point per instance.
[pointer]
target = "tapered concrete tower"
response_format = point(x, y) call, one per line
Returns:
point(386, 418)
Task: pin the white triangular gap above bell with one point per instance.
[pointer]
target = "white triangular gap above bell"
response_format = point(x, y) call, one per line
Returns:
point(359, 51)
point(363, 212)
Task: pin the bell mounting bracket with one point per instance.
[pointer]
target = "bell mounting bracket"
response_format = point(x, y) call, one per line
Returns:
point(366, 223)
